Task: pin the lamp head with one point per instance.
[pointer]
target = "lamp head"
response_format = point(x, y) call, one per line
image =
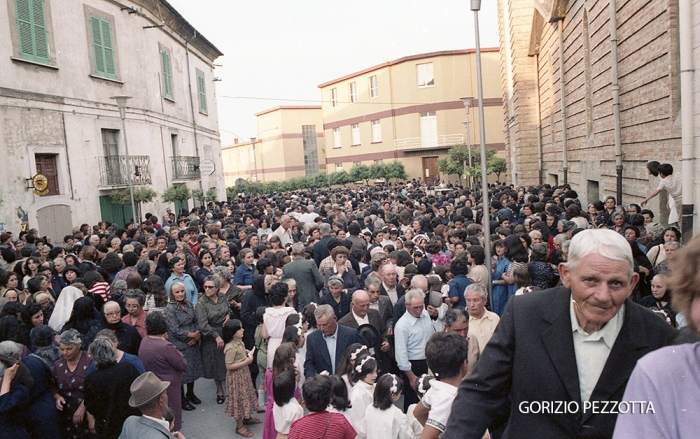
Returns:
point(476, 5)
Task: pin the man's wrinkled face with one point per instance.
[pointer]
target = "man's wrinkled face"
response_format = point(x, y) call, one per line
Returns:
point(360, 306)
point(599, 286)
point(389, 276)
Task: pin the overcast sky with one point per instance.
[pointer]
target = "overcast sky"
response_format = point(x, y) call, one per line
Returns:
point(278, 52)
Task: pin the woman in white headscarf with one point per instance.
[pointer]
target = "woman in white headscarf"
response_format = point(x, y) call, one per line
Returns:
point(64, 306)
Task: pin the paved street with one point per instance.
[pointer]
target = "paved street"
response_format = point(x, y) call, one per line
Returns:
point(210, 421)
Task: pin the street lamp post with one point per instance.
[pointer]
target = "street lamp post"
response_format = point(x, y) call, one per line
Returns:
point(476, 6)
point(467, 101)
point(255, 159)
point(121, 103)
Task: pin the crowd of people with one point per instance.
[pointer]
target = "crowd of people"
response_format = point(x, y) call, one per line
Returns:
point(337, 303)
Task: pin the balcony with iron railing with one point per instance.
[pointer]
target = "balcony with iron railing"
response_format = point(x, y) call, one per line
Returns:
point(438, 142)
point(186, 168)
point(114, 170)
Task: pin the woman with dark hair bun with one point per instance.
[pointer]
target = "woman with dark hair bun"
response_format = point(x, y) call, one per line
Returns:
point(83, 318)
point(275, 317)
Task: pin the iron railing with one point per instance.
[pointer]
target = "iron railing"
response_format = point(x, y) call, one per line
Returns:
point(443, 140)
point(186, 168)
point(114, 170)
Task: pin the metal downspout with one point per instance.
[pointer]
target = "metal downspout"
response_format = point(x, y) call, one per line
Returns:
point(616, 99)
point(685, 26)
point(564, 139)
point(540, 171)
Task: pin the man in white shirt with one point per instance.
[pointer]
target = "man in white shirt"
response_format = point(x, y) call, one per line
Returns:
point(482, 322)
point(284, 231)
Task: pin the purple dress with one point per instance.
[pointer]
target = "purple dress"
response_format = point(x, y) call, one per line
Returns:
point(163, 359)
point(269, 431)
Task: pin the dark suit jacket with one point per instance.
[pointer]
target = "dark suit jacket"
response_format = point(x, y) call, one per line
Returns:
point(321, 250)
point(400, 291)
point(383, 358)
point(308, 278)
point(531, 358)
point(386, 311)
point(317, 357)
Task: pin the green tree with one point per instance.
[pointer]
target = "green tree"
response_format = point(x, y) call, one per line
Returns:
point(360, 172)
point(378, 171)
point(141, 195)
point(497, 165)
point(179, 193)
point(396, 170)
point(340, 177)
point(449, 166)
point(198, 196)
point(211, 195)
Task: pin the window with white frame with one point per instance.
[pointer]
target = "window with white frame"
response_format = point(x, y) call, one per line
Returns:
point(336, 138)
point(376, 131)
point(353, 92)
point(355, 134)
point(338, 167)
point(425, 75)
point(373, 87)
point(428, 129)
point(356, 163)
point(242, 156)
point(378, 161)
point(252, 155)
point(334, 97)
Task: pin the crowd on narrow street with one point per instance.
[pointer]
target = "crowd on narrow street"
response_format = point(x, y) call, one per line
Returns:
point(367, 312)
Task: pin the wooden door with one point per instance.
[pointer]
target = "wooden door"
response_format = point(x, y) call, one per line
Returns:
point(430, 169)
point(46, 164)
point(55, 221)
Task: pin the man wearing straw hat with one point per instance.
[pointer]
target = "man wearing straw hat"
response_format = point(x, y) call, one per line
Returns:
point(148, 394)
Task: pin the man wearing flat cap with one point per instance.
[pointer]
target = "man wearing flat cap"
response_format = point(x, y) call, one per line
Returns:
point(148, 394)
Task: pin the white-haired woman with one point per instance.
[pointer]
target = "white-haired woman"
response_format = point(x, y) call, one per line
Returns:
point(69, 374)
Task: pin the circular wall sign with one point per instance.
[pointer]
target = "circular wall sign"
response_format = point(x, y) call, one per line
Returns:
point(207, 167)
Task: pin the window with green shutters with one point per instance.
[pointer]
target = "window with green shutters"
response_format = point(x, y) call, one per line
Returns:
point(31, 23)
point(201, 91)
point(103, 48)
point(167, 74)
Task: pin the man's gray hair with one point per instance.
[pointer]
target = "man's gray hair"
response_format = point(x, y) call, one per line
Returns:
point(456, 315)
point(324, 228)
point(10, 349)
point(324, 311)
point(412, 294)
point(290, 282)
point(478, 288)
point(373, 281)
point(387, 266)
point(604, 242)
point(415, 279)
point(102, 352)
point(674, 244)
point(298, 248)
point(71, 336)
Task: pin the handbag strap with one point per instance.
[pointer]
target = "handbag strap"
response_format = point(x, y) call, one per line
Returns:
point(327, 425)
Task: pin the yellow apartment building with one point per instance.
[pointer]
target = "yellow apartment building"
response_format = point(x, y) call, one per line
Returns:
point(410, 110)
point(289, 144)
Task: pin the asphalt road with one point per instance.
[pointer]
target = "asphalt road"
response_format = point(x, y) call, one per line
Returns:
point(210, 421)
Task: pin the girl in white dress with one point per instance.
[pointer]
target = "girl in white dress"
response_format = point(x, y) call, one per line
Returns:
point(286, 409)
point(347, 363)
point(275, 318)
point(340, 403)
point(383, 420)
point(364, 375)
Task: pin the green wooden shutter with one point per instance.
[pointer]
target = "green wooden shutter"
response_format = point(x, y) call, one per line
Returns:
point(202, 94)
point(33, 44)
point(167, 75)
point(103, 48)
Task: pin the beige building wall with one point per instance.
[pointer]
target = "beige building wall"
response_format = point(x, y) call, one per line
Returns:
point(279, 148)
point(398, 103)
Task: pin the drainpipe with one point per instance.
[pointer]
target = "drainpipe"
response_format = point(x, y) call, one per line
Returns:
point(564, 139)
point(685, 25)
point(539, 120)
point(189, 86)
point(616, 99)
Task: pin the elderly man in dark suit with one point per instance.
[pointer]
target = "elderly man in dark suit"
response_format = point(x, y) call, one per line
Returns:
point(380, 303)
point(560, 359)
point(325, 347)
point(361, 314)
point(306, 274)
point(321, 251)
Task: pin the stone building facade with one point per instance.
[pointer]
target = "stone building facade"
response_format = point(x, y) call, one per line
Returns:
point(566, 65)
point(62, 61)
